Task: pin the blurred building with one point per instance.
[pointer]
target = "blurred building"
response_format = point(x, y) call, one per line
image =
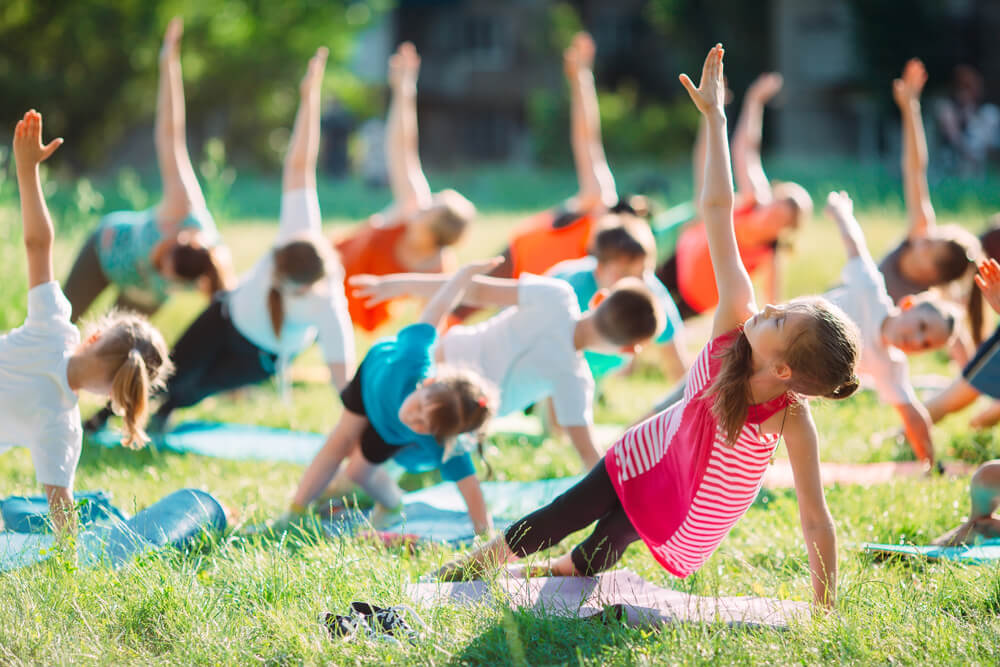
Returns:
point(483, 59)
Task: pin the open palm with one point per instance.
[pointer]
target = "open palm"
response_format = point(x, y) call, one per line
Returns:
point(710, 95)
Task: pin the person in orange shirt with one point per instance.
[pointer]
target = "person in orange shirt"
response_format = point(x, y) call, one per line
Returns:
point(763, 214)
point(415, 233)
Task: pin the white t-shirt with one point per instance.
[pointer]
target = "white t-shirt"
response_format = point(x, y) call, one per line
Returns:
point(864, 298)
point(527, 351)
point(38, 410)
point(321, 311)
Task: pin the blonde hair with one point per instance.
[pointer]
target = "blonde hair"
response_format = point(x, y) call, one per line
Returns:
point(450, 217)
point(138, 362)
point(822, 358)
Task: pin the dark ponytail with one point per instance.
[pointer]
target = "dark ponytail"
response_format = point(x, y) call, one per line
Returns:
point(845, 389)
point(300, 262)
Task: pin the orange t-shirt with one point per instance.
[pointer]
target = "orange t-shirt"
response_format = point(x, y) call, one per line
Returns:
point(370, 250)
point(537, 246)
point(695, 275)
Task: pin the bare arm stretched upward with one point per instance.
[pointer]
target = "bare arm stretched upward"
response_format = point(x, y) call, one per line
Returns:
point(596, 183)
point(906, 91)
point(303, 150)
point(736, 298)
point(181, 192)
point(38, 232)
point(840, 207)
point(747, 165)
point(409, 186)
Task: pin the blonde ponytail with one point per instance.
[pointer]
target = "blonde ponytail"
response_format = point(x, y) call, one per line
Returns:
point(136, 359)
point(130, 399)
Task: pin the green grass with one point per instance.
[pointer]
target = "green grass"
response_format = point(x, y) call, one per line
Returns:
point(238, 600)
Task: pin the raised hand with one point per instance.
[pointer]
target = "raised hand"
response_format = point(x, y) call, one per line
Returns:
point(988, 280)
point(710, 95)
point(404, 65)
point(765, 87)
point(314, 73)
point(172, 38)
point(839, 205)
point(28, 148)
point(908, 87)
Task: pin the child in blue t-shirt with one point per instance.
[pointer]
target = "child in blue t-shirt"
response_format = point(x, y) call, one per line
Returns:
point(624, 250)
point(399, 406)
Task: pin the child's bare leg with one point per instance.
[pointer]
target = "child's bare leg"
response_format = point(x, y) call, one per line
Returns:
point(303, 149)
point(984, 494)
point(61, 509)
point(375, 481)
point(987, 417)
point(181, 192)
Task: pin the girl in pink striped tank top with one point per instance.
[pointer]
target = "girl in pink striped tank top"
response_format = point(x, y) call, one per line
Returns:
point(680, 480)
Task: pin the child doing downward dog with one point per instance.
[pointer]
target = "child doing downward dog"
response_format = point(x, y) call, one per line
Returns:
point(680, 480)
point(399, 406)
point(43, 363)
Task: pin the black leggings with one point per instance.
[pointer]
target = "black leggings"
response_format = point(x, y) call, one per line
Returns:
point(591, 499)
point(211, 357)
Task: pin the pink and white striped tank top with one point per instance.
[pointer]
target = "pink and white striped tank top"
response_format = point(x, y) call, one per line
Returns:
point(682, 486)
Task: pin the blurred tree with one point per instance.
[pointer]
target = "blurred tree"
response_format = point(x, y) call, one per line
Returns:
point(91, 67)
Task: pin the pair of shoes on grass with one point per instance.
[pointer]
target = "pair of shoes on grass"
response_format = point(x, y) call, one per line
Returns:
point(370, 621)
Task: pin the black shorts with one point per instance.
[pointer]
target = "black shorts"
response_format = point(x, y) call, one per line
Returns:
point(373, 447)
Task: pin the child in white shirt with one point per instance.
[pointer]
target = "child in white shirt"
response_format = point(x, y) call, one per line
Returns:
point(889, 332)
point(43, 364)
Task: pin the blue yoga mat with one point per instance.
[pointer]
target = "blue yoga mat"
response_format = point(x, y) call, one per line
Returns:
point(976, 554)
point(174, 521)
point(232, 441)
point(30, 514)
point(438, 513)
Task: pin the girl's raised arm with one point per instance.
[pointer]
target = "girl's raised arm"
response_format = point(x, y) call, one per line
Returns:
point(906, 91)
point(299, 171)
point(181, 192)
point(596, 183)
point(748, 167)
point(407, 181)
point(38, 232)
point(736, 298)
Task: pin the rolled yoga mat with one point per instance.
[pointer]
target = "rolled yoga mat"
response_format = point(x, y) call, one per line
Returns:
point(174, 521)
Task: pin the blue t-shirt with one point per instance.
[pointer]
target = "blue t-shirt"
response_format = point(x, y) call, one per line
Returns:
point(390, 372)
point(579, 273)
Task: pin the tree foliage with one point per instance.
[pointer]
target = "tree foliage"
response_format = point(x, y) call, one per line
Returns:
point(91, 66)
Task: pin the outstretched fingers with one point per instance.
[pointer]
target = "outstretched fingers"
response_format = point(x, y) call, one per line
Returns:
point(28, 147)
point(314, 72)
point(710, 93)
point(172, 37)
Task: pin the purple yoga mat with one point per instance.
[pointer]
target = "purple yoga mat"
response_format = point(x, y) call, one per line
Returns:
point(644, 603)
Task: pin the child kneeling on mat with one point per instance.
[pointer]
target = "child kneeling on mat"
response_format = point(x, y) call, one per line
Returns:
point(683, 478)
point(399, 406)
point(43, 364)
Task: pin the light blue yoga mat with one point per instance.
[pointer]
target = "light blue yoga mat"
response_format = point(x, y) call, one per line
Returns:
point(174, 521)
point(976, 554)
point(233, 441)
point(438, 513)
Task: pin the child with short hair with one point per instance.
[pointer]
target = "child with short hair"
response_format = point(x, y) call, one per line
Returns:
point(533, 348)
point(624, 248)
point(398, 406)
point(43, 363)
point(680, 480)
point(889, 332)
point(418, 231)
